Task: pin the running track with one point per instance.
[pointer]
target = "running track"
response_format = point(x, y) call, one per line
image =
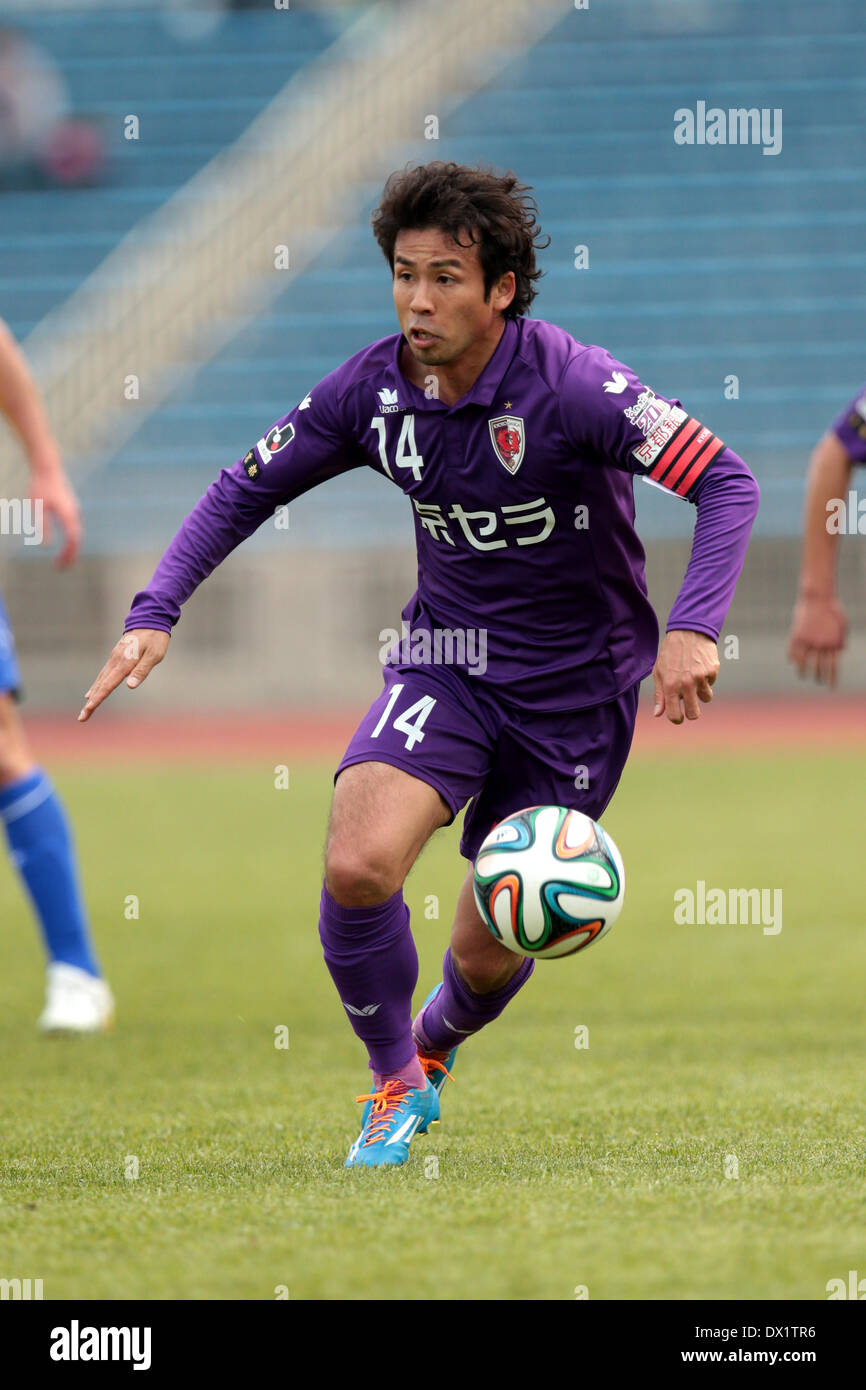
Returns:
point(778, 725)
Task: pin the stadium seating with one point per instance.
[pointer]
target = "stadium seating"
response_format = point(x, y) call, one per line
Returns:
point(704, 262)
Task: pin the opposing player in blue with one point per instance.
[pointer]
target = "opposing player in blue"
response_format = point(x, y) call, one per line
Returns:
point(530, 631)
point(37, 832)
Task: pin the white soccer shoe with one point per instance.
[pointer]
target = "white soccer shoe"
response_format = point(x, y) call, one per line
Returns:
point(75, 1002)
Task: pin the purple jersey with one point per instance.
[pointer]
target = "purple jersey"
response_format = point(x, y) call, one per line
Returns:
point(850, 428)
point(522, 500)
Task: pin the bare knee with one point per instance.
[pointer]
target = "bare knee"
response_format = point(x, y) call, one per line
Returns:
point(380, 820)
point(359, 876)
point(481, 961)
point(485, 968)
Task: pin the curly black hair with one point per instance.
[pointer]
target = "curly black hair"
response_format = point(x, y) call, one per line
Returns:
point(496, 210)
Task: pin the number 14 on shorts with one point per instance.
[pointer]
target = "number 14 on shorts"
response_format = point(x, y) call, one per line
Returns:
point(410, 722)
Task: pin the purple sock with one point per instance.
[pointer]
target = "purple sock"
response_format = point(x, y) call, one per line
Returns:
point(373, 962)
point(457, 1011)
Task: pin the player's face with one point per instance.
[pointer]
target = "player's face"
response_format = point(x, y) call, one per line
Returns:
point(439, 295)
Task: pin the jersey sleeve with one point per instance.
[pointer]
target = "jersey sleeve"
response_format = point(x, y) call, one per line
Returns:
point(726, 510)
point(850, 428)
point(302, 449)
point(607, 410)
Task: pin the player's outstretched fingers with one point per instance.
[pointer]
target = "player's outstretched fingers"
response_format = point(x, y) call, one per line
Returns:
point(133, 657)
point(689, 691)
point(673, 697)
point(705, 693)
point(73, 531)
point(658, 694)
point(113, 672)
point(797, 655)
point(826, 666)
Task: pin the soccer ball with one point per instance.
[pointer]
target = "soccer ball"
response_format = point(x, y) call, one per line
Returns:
point(548, 881)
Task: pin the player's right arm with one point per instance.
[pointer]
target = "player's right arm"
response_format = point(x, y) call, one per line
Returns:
point(819, 625)
point(607, 411)
point(131, 660)
point(304, 448)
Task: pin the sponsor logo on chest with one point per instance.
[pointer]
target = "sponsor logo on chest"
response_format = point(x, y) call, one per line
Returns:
point(388, 400)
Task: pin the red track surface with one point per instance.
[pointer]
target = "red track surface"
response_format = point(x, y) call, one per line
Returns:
point(780, 724)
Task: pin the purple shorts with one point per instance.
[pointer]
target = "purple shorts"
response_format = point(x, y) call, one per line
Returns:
point(440, 726)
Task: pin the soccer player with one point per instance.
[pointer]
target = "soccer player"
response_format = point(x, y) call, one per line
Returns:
point(819, 625)
point(40, 843)
point(517, 447)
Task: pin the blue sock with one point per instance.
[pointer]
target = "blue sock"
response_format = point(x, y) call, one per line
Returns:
point(41, 848)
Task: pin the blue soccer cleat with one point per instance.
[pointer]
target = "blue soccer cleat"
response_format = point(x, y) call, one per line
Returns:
point(392, 1118)
point(437, 1065)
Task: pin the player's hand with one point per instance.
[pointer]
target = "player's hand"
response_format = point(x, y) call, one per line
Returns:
point(134, 656)
point(819, 629)
point(687, 666)
point(59, 507)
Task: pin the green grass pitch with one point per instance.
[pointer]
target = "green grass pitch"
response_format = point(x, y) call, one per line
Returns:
point(707, 1143)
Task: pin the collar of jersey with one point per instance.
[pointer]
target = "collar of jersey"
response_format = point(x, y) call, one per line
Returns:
point(484, 389)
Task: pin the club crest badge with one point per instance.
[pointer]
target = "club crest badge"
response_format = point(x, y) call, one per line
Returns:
point(508, 436)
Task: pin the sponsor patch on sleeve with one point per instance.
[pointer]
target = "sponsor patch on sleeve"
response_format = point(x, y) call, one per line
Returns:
point(277, 437)
point(267, 448)
point(677, 450)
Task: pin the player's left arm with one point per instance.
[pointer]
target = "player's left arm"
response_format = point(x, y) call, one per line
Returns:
point(606, 407)
point(22, 408)
point(726, 496)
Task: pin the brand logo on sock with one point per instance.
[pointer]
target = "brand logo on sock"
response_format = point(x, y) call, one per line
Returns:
point(362, 1013)
point(467, 1031)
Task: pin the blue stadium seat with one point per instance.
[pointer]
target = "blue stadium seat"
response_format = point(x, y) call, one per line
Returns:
point(705, 262)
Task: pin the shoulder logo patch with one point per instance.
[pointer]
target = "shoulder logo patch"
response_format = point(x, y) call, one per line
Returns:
point(617, 384)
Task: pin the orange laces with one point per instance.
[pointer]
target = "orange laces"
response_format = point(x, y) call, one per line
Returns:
point(391, 1097)
point(430, 1064)
point(385, 1102)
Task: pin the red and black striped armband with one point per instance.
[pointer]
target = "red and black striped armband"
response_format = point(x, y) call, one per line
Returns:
point(677, 450)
